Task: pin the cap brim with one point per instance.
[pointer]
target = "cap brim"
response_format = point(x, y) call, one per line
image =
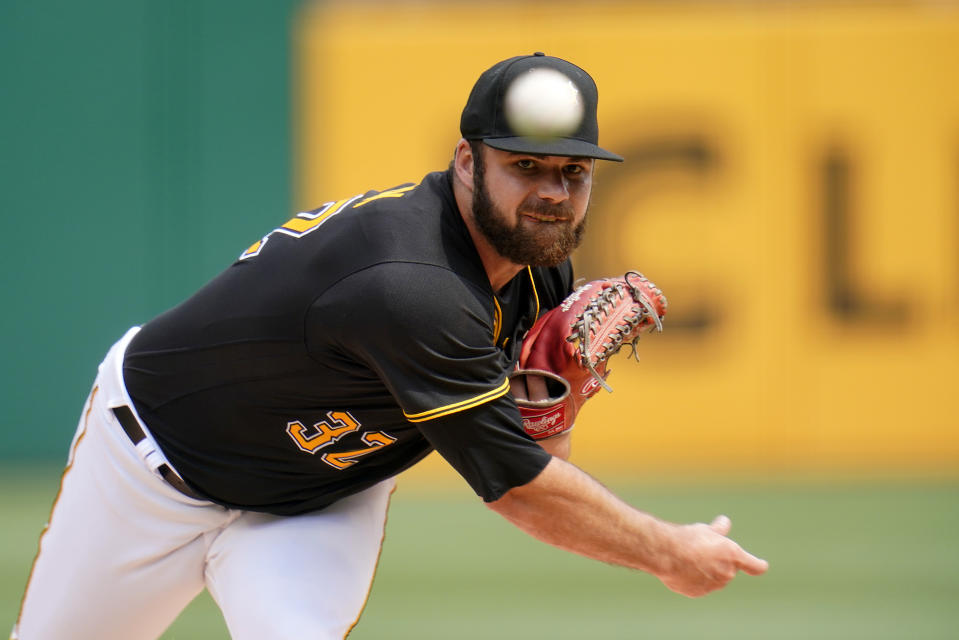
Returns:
point(552, 147)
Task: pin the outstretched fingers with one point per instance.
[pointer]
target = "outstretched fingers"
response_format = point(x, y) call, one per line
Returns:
point(744, 560)
point(752, 565)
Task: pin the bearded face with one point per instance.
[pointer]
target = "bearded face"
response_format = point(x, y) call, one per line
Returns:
point(534, 242)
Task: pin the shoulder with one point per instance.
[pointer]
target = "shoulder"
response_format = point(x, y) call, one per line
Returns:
point(432, 194)
point(403, 296)
point(411, 288)
point(378, 220)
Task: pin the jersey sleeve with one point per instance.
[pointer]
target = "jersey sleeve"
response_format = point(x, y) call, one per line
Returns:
point(424, 331)
point(487, 447)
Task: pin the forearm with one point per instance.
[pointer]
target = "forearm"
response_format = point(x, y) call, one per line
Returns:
point(566, 508)
point(558, 446)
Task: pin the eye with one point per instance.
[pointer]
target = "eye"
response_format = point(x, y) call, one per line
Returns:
point(525, 163)
point(576, 169)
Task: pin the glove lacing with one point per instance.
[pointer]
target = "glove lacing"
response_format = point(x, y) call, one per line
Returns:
point(597, 309)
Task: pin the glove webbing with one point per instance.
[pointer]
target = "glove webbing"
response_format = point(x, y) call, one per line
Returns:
point(596, 311)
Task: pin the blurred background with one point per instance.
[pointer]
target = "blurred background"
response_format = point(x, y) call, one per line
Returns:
point(791, 182)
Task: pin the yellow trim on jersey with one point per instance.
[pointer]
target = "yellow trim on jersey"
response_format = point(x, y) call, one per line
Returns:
point(392, 193)
point(529, 270)
point(463, 405)
point(497, 319)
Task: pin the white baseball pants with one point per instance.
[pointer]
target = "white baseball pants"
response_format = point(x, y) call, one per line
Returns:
point(124, 552)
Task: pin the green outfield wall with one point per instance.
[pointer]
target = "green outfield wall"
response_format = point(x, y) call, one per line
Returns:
point(143, 145)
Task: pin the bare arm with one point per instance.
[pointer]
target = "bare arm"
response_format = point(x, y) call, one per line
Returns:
point(558, 446)
point(566, 508)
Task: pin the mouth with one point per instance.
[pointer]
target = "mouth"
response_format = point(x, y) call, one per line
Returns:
point(543, 217)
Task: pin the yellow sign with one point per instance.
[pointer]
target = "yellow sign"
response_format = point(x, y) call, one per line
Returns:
point(791, 183)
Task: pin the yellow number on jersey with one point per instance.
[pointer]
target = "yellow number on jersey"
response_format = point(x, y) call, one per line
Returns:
point(322, 433)
point(343, 459)
point(308, 221)
point(326, 432)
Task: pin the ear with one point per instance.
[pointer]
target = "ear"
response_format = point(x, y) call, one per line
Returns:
point(463, 163)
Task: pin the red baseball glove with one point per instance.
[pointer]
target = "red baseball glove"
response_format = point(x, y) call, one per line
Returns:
point(563, 359)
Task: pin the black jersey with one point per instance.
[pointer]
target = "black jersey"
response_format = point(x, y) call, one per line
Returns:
point(338, 351)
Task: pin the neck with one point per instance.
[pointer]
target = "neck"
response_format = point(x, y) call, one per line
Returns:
point(499, 270)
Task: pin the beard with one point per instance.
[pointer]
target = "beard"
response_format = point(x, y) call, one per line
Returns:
point(537, 244)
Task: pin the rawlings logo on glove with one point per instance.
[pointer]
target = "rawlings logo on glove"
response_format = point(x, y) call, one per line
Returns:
point(564, 355)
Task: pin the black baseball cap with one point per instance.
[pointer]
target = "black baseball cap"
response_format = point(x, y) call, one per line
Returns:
point(484, 117)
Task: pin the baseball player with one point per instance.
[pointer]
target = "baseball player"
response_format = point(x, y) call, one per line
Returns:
point(246, 440)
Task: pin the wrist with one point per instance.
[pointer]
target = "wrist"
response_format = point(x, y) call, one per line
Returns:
point(662, 546)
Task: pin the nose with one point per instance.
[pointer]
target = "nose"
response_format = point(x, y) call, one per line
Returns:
point(553, 187)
